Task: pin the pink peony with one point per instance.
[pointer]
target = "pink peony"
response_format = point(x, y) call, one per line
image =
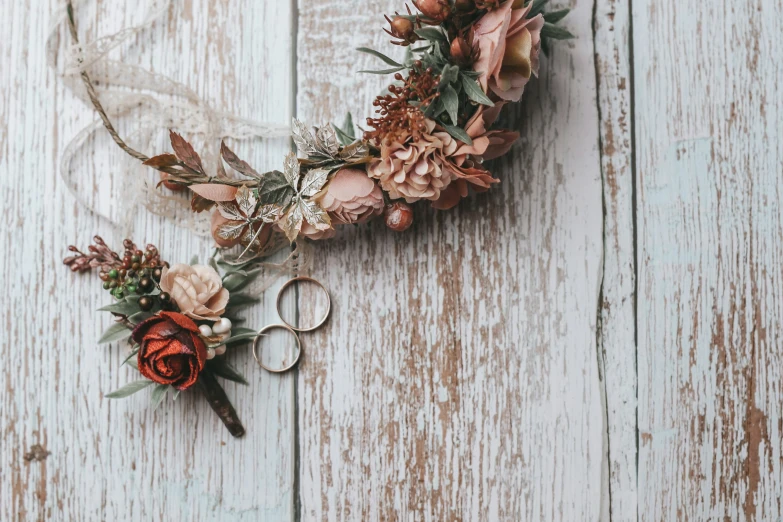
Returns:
point(352, 197)
point(310, 232)
point(508, 44)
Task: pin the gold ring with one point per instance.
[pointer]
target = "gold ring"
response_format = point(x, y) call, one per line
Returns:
point(328, 303)
point(265, 329)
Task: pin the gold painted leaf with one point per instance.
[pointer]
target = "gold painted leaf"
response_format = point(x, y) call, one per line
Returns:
point(291, 169)
point(230, 230)
point(326, 140)
point(314, 214)
point(303, 138)
point(292, 222)
point(230, 211)
point(314, 181)
point(246, 200)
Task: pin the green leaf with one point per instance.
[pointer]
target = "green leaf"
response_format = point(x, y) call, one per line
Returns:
point(221, 368)
point(459, 133)
point(555, 16)
point(448, 75)
point(158, 394)
point(194, 260)
point(450, 100)
point(176, 394)
point(554, 32)
point(129, 389)
point(131, 356)
point(140, 316)
point(132, 362)
point(116, 332)
point(382, 71)
point(274, 189)
point(346, 133)
point(379, 55)
point(474, 92)
point(126, 306)
point(235, 300)
point(538, 7)
point(432, 34)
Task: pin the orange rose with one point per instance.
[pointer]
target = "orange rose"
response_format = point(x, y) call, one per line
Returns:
point(171, 351)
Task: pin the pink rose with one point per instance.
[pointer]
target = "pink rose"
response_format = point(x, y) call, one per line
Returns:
point(352, 197)
point(197, 290)
point(508, 44)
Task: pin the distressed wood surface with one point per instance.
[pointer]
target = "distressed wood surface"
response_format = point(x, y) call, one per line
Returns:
point(458, 378)
point(708, 157)
point(596, 339)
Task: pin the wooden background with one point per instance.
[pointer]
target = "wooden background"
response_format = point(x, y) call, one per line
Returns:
point(597, 339)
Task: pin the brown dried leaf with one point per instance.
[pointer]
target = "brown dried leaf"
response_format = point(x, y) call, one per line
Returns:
point(199, 204)
point(185, 152)
point(162, 160)
point(214, 191)
point(237, 164)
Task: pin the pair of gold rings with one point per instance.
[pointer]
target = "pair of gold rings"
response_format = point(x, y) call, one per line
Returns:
point(294, 330)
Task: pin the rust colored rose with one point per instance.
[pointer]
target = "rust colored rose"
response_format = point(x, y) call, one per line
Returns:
point(171, 351)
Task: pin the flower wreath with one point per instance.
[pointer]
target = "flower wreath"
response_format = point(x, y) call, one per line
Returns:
point(428, 140)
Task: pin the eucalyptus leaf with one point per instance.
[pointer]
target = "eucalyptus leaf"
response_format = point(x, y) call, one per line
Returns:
point(194, 260)
point(474, 92)
point(116, 332)
point(138, 317)
point(129, 389)
point(538, 7)
point(554, 32)
point(236, 281)
point(126, 306)
point(448, 75)
point(175, 395)
point(221, 368)
point(346, 133)
point(555, 16)
point(131, 356)
point(235, 300)
point(459, 133)
point(450, 100)
point(432, 34)
point(382, 71)
point(382, 56)
point(130, 361)
point(158, 394)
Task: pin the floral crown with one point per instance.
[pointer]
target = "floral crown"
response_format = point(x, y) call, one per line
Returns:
point(432, 131)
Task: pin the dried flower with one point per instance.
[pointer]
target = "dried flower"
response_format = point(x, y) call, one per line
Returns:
point(435, 10)
point(509, 45)
point(399, 216)
point(197, 290)
point(170, 350)
point(414, 170)
point(352, 197)
point(403, 28)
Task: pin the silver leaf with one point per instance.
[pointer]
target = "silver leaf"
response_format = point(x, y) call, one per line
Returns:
point(292, 222)
point(246, 200)
point(291, 169)
point(303, 138)
point(269, 213)
point(355, 150)
point(230, 211)
point(314, 214)
point(326, 139)
point(314, 181)
point(231, 230)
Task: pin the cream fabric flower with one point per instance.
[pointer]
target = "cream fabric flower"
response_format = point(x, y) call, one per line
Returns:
point(197, 290)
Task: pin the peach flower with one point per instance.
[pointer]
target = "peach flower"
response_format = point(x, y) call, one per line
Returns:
point(310, 232)
point(509, 44)
point(197, 290)
point(414, 170)
point(352, 197)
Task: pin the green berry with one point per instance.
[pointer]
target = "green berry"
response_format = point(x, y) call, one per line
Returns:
point(113, 273)
point(106, 285)
point(130, 288)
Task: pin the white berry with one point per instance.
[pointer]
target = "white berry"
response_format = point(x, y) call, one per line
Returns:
point(205, 330)
point(222, 326)
point(220, 350)
point(210, 353)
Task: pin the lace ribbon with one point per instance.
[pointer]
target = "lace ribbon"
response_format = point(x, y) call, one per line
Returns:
point(164, 104)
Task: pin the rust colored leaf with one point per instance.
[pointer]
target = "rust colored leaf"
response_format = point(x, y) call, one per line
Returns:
point(162, 160)
point(185, 152)
point(199, 204)
point(237, 164)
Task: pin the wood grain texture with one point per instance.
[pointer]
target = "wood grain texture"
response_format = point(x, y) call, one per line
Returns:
point(708, 104)
point(118, 460)
point(457, 379)
point(617, 333)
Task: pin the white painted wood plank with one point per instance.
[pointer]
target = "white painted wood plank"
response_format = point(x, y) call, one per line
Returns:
point(457, 379)
point(119, 460)
point(708, 101)
point(618, 306)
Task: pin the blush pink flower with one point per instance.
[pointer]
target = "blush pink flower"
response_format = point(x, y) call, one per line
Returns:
point(508, 44)
point(197, 290)
point(352, 197)
point(414, 170)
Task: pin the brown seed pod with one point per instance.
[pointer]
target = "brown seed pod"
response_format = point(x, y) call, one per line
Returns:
point(399, 216)
point(436, 10)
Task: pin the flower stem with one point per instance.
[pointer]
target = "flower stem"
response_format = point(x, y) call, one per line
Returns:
point(219, 402)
